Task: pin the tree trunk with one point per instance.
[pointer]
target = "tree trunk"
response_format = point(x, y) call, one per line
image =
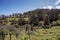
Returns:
point(3, 36)
point(10, 36)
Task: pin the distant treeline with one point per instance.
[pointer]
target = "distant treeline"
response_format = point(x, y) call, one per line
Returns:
point(37, 17)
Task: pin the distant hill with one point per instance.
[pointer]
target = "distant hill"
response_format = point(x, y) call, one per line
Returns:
point(32, 17)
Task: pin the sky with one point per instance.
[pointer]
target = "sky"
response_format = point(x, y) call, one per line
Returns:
point(8, 7)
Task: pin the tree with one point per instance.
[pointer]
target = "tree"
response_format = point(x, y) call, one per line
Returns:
point(13, 31)
point(46, 20)
point(13, 22)
point(3, 32)
point(33, 20)
point(21, 21)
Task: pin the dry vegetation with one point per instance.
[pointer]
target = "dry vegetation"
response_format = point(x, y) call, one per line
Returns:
point(39, 24)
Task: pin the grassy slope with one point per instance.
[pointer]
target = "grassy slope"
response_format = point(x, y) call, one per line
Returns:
point(40, 34)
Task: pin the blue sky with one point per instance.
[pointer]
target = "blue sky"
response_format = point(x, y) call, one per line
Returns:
point(19, 6)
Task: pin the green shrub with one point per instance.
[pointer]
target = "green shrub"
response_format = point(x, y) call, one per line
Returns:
point(25, 38)
point(46, 27)
point(58, 38)
point(42, 39)
point(47, 39)
point(54, 23)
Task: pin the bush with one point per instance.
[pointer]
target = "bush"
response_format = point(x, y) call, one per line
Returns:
point(42, 39)
point(58, 38)
point(58, 22)
point(46, 27)
point(53, 23)
point(25, 38)
point(47, 39)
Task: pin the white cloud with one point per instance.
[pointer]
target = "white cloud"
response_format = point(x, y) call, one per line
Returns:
point(57, 7)
point(48, 7)
point(57, 2)
point(44, 7)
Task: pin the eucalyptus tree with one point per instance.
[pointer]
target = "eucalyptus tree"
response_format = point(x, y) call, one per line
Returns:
point(13, 31)
point(3, 32)
point(29, 30)
point(21, 21)
point(33, 19)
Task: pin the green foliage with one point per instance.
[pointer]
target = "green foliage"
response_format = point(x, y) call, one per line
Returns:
point(38, 34)
point(58, 38)
point(21, 21)
point(34, 19)
point(25, 26)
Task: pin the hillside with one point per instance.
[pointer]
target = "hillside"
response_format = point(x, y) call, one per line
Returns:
point(42, 24)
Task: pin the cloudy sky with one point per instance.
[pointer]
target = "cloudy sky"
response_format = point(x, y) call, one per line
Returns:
point(19, 6)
